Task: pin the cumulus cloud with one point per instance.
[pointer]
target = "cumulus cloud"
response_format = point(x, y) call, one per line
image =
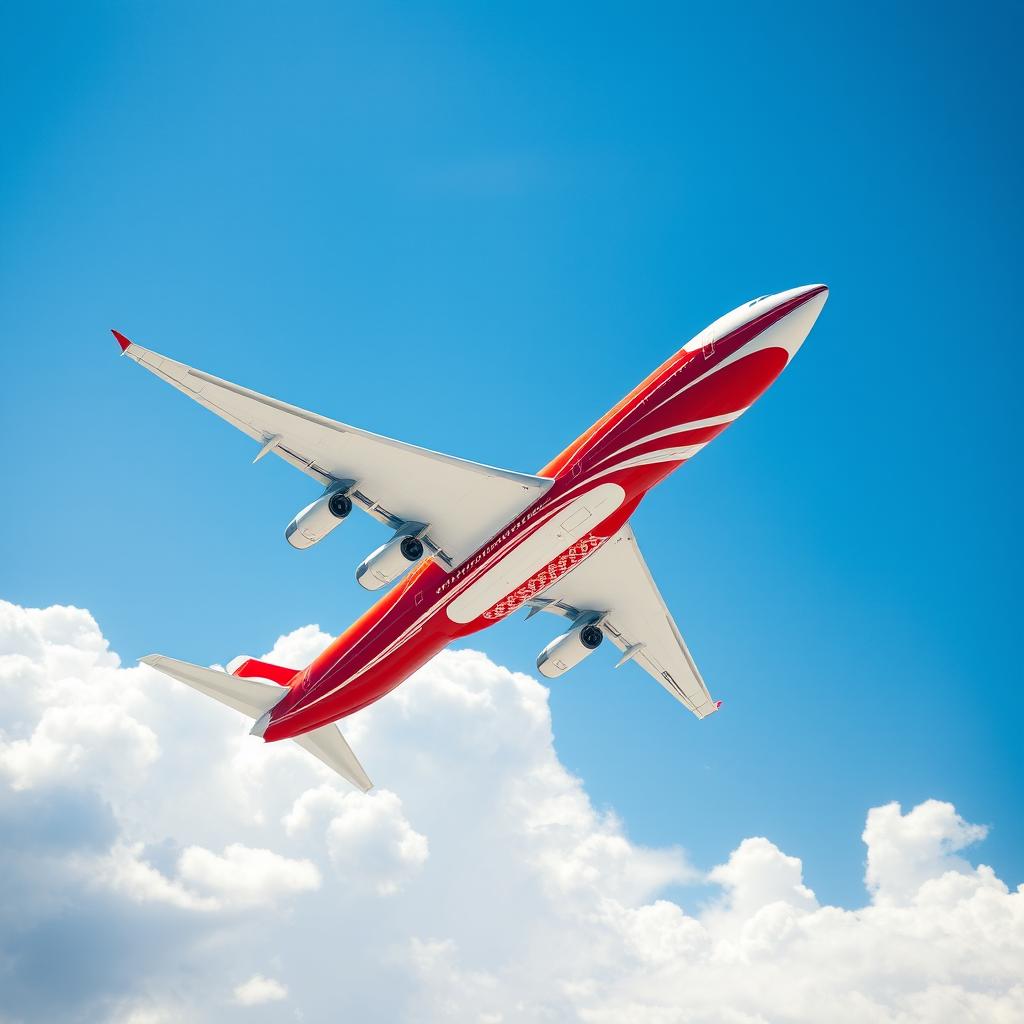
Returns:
point(906, 850)
point(140, 1012)
point(259, 990)
point(757, 875)
point(480, 885)
point(368, 836)
point(80, 738)
point(240, 877)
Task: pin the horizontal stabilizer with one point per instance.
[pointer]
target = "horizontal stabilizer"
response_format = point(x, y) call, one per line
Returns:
point(254, 668)
point(254, 697)
point(330, 746)
point(250, 696)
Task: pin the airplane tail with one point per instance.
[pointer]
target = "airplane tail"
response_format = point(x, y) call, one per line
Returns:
point(256, 698)
point(253, 667)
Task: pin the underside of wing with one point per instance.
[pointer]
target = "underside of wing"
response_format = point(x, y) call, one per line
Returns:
point(616, 584)
point(460, 503)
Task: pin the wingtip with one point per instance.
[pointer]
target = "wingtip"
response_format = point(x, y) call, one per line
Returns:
point(121, 340)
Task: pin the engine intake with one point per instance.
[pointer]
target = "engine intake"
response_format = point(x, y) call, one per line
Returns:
point(390, 560)
point(318, 518)
point(569, 649)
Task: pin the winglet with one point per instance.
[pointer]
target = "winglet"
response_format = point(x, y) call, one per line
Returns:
point(718, 704)
point(121, 340)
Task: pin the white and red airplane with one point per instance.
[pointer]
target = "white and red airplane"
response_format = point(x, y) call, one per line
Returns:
point(482, 542)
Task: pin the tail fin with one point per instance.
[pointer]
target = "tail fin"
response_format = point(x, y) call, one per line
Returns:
point(255, 698)
point(253, 667)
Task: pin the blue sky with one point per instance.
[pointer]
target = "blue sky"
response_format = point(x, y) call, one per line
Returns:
point(476, 229)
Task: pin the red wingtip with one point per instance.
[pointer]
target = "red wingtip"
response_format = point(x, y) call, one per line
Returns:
point(718, 704)
point(121, 340)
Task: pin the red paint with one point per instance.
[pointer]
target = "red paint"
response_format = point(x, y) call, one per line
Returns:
point(398, 635)
point(254, 668)
point(540, 581)
point(121, 340)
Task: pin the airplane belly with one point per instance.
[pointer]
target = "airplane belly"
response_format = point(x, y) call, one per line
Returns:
point(567, 536)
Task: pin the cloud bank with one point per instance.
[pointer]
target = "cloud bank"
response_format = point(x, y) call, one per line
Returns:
point(161, 865)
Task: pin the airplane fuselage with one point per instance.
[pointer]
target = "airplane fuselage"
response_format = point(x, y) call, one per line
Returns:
point(598, 481)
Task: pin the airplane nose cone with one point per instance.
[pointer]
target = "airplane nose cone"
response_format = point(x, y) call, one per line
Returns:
point(816, 297)
point(806, 292)
point(796, 325)
point(815, 291)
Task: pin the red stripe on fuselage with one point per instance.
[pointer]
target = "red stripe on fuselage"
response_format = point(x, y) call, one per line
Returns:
point(409, 624)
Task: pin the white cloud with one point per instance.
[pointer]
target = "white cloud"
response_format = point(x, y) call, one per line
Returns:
point(79, 739)
point(144, 1012)
point(125, 871)
point(758, 875)
point(239, 878)
point(368, 836)
point(479, 884)
point(258, 990)
point(242, 876)
point(904, 851)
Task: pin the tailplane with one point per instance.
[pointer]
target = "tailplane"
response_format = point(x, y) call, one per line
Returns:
point(252, 697)
point(330, 746)
point(256, 698)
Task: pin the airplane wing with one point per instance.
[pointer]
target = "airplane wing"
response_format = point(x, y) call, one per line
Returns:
point(615, 581)
point(463, 503)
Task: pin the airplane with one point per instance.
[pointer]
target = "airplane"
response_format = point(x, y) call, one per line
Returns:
point(471, 544)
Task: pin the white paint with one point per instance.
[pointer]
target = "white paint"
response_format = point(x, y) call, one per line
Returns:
point(616, 579)
point(465, 502)
point(313, 523)
point(545, 545)
point(741, 315)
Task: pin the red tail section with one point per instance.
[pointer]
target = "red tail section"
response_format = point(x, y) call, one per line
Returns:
point(254, 668)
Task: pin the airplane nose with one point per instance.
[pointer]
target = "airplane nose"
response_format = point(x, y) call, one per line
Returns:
point(813, 290)
point(816, 297)
point(796, 325)
point(806, 292)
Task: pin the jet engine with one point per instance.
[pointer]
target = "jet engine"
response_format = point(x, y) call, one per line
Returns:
point(569, 649)
point(390, 560)
point(317, 519)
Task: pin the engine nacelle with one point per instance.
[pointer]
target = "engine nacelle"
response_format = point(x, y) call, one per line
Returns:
point(317, 519)
point(569, 649)
point(390, 560)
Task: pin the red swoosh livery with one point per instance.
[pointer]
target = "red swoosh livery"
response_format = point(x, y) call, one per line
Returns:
point(494, 541)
